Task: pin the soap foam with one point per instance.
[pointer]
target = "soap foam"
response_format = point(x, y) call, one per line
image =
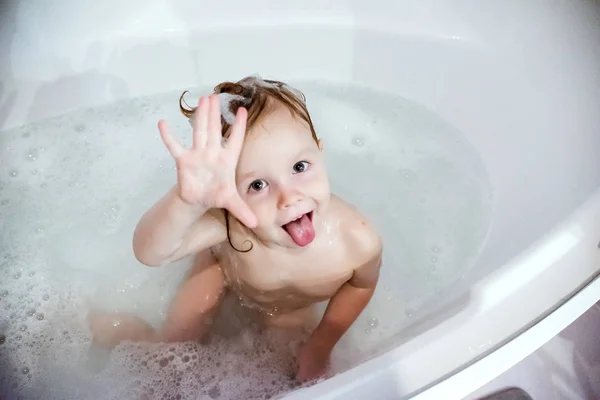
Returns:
point(72, 189)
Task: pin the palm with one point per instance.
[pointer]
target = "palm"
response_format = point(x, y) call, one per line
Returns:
point(206, 171)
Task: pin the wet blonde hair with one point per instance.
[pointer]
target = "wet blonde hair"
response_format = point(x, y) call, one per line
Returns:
point(260, 97)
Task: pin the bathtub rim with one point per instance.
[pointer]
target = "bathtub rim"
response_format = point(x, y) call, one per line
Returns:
point(477, 374)
point(523, 338)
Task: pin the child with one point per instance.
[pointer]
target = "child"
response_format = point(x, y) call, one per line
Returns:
point(253, 204)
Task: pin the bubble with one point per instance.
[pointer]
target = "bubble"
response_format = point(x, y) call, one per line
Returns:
point(32, 154)
point(31, 312)
point(44, 185)
point(46, 297)
point(358, 141)
point(4, 202)
point(434, 259)
point(16, 275)
point(31, 273)
point(39, 316)
point(3, 293)
point(14, 173)
point(34, 171)
point(24, 370)
point(214, 392)
point(23, 328)
point(373, 322)
point(79, 128)
point(2, 338)
point(435, 249)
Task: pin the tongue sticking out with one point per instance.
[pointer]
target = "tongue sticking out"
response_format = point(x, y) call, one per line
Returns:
point(301, 230)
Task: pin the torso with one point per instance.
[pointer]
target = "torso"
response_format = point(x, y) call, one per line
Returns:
point(280, 280)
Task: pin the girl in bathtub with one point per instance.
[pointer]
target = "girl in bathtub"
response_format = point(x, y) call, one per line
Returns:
point(253, 205)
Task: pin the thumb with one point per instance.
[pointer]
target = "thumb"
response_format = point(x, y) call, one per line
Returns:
point(241, 211)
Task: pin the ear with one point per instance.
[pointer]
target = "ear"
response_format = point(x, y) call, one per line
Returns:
point(320, 144)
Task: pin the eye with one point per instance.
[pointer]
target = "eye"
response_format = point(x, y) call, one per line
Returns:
point(257, 185)
point(300, 166)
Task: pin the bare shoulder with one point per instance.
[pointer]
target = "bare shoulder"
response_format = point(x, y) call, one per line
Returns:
point(361, 237)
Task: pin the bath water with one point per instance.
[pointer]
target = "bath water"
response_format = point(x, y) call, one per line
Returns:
point(72, 189)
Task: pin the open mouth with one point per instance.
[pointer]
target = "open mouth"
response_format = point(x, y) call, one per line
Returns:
point(301, 229)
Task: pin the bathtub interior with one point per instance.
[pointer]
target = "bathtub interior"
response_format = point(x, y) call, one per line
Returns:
point(519, 106)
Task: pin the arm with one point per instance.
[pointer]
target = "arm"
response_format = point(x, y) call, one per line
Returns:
point(346, 305)
point(343, 309)
point(173, 228)
point(182, 222)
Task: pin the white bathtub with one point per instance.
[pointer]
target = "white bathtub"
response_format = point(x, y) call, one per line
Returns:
point(521, 80)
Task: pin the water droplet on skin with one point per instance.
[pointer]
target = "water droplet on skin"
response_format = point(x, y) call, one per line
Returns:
point(39, 316)
point(358, 141)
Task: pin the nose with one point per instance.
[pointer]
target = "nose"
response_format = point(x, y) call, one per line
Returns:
point(288, 196)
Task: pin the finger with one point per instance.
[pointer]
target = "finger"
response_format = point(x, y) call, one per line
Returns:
point(201, 123)
point(238, 132)
point(172, 145)
point(214, 136)
point(242, 212)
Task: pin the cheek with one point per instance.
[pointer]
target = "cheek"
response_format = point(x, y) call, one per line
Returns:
point(317, 183)
point(263, 208)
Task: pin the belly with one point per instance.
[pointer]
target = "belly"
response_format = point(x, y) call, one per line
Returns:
point(287, 298)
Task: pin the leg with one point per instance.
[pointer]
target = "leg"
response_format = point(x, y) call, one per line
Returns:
point(189, 316)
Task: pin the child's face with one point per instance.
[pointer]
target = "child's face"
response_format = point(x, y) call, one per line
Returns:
point(281, 175)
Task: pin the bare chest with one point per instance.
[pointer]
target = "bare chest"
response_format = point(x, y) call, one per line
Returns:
point(270, 277)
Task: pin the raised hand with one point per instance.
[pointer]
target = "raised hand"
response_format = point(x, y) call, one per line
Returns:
point(206, 172)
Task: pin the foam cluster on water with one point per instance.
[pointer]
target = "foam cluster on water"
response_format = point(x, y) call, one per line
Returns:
point(72, 189)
